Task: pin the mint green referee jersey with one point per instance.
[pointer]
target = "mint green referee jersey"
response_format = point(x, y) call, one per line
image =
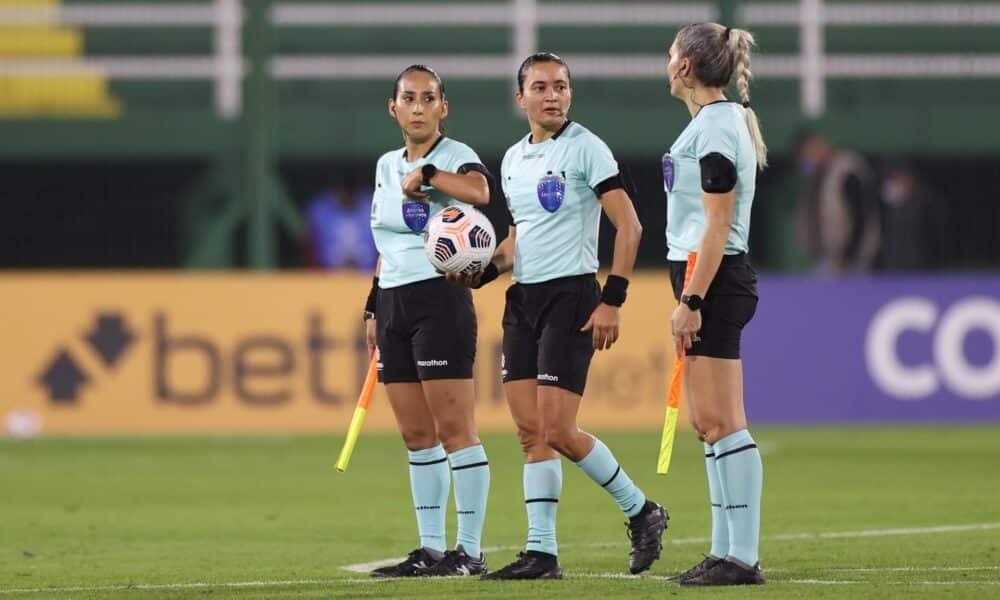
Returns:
point(549, 188)
point(718, 127)
point(401, 248)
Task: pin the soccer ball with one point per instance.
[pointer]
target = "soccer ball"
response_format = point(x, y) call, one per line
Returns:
point(460, 239)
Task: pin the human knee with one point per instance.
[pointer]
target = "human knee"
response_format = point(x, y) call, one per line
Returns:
point(718, 430)
point(559, 438)
point(418, 437)
point(530, 438)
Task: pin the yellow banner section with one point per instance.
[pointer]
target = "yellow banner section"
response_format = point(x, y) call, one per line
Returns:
point(229, 353)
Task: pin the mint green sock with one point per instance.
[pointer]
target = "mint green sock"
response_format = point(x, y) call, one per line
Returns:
point(430, 482)
point(720, 525)
point(471, 473)
point(600, 465)
point(742, 478)
point(542, 488)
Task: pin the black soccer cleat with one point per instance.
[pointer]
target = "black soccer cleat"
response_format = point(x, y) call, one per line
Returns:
point(411, 566)
point(456, 563)
point(698, 569)
point(727, 572)
point(530, 565)
point(645, 530)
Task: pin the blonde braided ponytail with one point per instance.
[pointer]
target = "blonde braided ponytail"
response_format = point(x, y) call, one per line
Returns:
point(739, 44)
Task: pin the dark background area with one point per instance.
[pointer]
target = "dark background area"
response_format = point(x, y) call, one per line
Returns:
point(126, 214)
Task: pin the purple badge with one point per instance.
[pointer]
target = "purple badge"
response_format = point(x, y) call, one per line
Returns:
point(668, 172)
point(415, 215)
point(551, 190)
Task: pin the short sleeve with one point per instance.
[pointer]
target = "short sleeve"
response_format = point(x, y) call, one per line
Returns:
point(714, 137)
point(462, 155)
point(599, 163)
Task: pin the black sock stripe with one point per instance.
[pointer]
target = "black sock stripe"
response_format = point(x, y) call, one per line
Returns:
point(430, 462)
point(470, 465)
point(608, 482)
point(710, 455)
point(553, 500)
point(735, 450)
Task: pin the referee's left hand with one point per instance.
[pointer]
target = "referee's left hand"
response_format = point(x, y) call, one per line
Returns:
point(604, 323)
point(685, 325)
point(413, 183)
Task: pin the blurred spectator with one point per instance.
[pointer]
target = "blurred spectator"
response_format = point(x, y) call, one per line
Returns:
point(339, 232)
point(909, 234)
point(837, 208)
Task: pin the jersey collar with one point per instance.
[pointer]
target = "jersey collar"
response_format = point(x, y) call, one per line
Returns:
point(429, 150)
point(556, 134)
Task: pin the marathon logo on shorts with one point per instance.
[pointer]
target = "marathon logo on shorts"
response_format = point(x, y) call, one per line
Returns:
point(432, 363)
point(547, 377)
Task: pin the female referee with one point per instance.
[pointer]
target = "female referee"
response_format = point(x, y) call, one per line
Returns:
point(709, 176)
point(425, 329)
point(556, 179)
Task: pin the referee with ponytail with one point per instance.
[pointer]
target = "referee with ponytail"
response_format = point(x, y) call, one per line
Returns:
point(709, 176)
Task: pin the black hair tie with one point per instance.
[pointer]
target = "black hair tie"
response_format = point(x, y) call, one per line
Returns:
point(746, 104)
point(726, 34)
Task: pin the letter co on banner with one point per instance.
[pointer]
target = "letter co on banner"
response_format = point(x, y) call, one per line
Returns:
point(947, 331)
point(877, 349)
point(188, 353)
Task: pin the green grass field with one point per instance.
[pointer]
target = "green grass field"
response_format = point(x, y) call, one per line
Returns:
point(853, 512)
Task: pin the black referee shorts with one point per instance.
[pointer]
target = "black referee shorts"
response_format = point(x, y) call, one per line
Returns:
point(728, 306)
point(541, 331)
point(425, 330)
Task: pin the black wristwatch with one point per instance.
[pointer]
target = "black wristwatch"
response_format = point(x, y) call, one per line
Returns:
point(428, 172)
point(693, 301)
point(368, 315)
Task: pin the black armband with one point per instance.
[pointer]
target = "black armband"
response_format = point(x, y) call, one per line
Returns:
point(490, 273)
point(475, 167)
point(718, 174)
point(372, 301)
point(611, 183)
point(614, 291)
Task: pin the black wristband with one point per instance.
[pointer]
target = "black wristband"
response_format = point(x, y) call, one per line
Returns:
point(372, 301)
point(490, 273)
point(615, 290)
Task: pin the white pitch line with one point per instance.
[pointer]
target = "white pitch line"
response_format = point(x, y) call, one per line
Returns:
point(373, 580)
point(907, 569)
point(681, 541)
point(848, 582)
point(185, 586)
point(782, 537)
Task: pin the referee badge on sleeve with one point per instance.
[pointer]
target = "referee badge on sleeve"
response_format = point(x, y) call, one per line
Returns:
point(551, 191)
point(415, 214)
point(668, 172)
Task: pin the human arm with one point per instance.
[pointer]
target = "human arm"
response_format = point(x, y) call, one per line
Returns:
point(604, 322)
point(371, 309)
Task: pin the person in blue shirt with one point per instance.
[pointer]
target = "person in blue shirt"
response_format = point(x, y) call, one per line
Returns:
point(557, 179)
point(424, 329)
point(339, 233)
point(709, 176)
